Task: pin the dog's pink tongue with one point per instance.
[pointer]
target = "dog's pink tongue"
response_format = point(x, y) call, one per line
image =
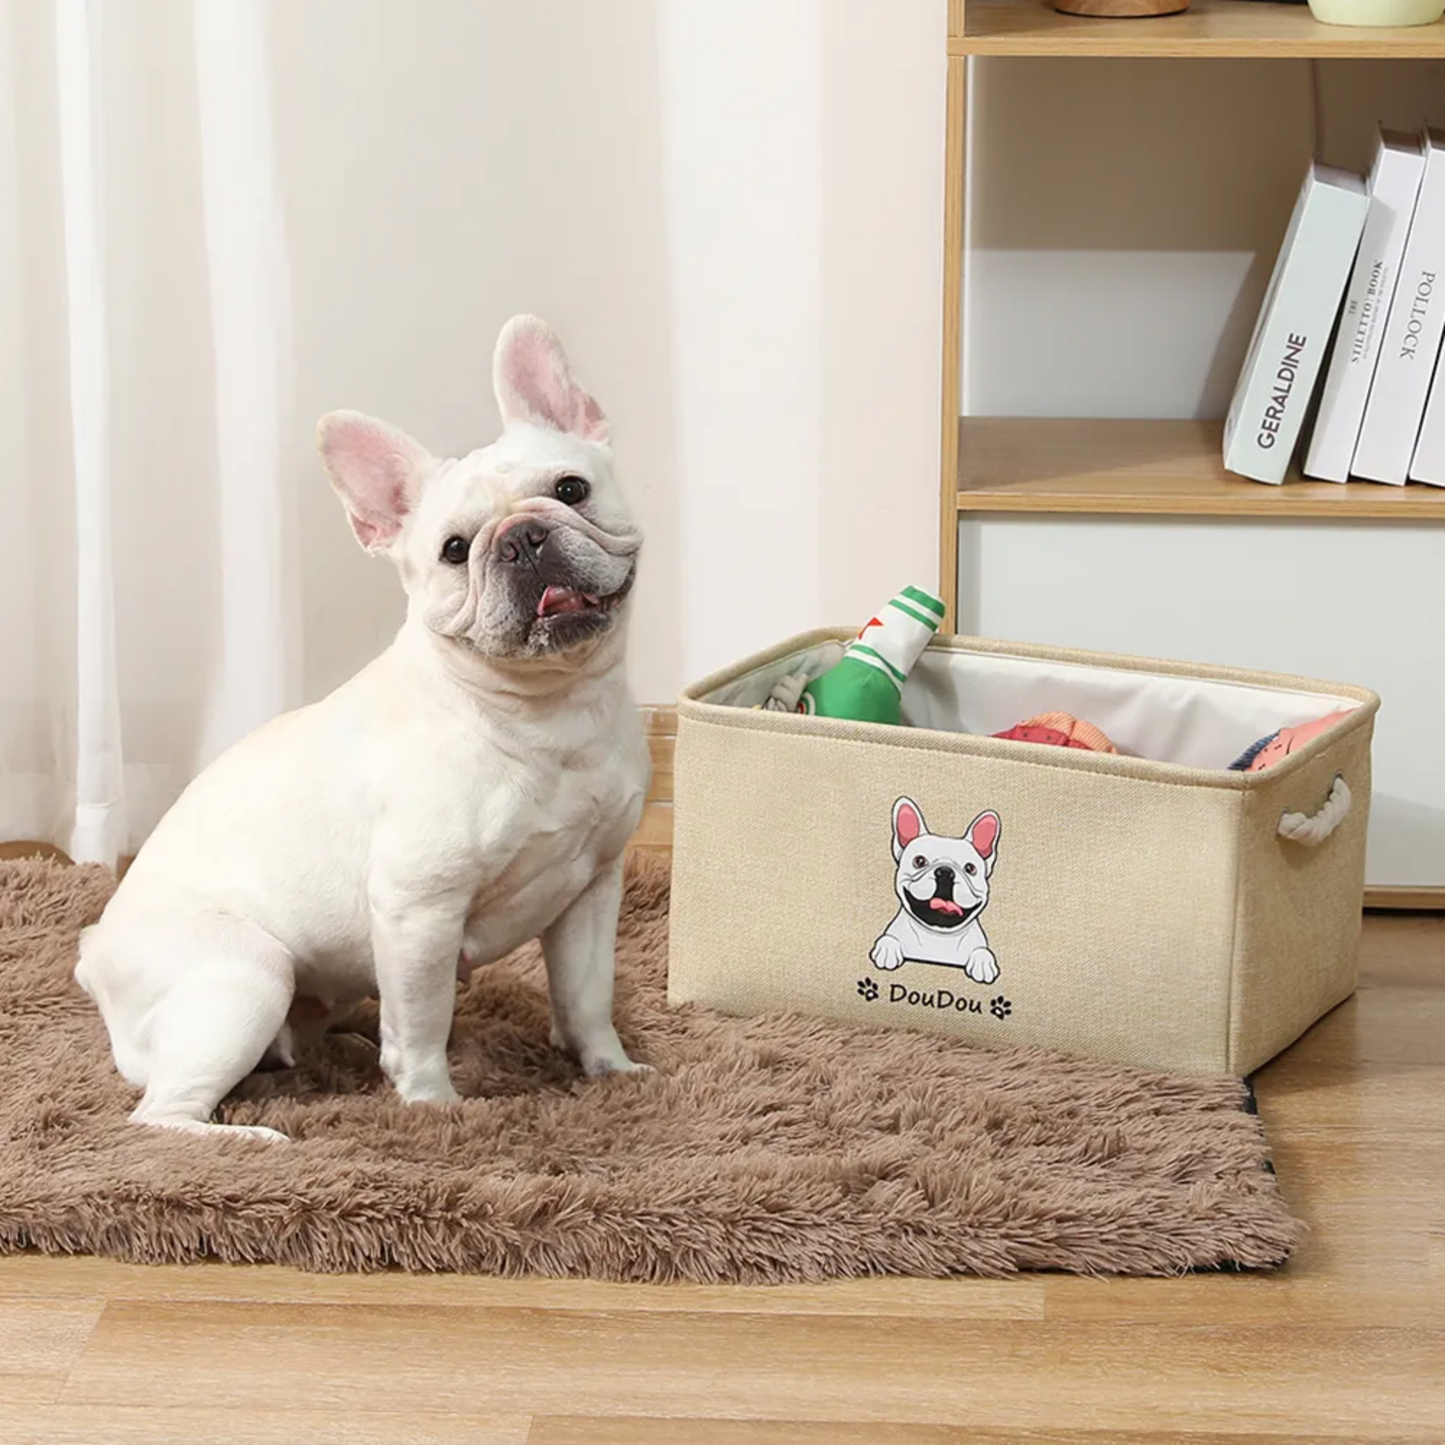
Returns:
point(944, 905)
point(564, 599)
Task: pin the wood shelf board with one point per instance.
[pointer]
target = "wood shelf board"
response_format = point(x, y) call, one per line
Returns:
point(1406, 899)
point(1149, 468)
point(1239, 28)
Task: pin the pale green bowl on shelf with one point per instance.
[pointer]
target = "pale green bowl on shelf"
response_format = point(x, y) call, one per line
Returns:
point(1378, 12)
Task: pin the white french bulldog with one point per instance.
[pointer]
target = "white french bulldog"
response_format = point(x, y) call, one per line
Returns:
point(942, 884)
point(471, 789)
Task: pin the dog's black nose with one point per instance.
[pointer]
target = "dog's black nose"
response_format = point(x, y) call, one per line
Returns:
point(523, 542)
point(945, 875)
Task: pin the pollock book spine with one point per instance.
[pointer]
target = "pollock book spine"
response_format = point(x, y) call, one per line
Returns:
point(1295, 322)
point(1394, 188)
point(1412, 336)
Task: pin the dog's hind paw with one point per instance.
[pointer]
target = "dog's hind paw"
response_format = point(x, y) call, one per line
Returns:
point(600, 1069)
point(205, 1126)
point(259, 1131)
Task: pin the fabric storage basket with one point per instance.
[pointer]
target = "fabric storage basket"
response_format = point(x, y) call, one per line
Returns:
point(1147, 910)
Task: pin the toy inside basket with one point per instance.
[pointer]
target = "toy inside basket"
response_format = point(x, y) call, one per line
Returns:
point(1193, 721)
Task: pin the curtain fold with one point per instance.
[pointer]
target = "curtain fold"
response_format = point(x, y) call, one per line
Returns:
point(247, 271)
point(150, 581)
point(97, 830)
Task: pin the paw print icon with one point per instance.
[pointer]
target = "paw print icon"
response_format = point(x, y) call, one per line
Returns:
point(867, 989)
point(1000, 1007)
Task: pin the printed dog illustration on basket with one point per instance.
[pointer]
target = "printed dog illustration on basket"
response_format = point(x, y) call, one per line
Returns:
point(942, 885)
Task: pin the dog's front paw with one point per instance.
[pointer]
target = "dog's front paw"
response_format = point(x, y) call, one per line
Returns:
point(982, 966)
point(420, 1077)
point(599, 1051)
point(887, 952)
point(603, 1056)
point(421, 1085)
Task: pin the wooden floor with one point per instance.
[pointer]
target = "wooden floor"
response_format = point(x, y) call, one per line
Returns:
point(1348, 1343)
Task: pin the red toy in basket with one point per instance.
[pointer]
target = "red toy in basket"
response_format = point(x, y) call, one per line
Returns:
point(1060, 730)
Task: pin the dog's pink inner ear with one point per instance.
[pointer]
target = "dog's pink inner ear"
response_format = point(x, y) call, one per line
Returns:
point(984, 833)
point(534, 382)
point(908, 824)
point(377, 472)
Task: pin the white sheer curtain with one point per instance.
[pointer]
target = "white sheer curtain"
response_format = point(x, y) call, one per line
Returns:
point(147, 578)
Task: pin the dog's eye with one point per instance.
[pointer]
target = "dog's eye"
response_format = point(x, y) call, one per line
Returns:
point(970, 868)
point(571, 490)
point(919, 861)
point(455, 550)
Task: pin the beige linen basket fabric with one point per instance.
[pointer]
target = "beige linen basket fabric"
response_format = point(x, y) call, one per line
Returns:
point(1141, 912)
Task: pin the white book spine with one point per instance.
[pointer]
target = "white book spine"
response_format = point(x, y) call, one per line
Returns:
point(1428, 464)
point(1294, 326)
point(1411, 342)
point(1394, 187)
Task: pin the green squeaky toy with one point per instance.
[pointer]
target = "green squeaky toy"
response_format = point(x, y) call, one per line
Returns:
point(866, 682)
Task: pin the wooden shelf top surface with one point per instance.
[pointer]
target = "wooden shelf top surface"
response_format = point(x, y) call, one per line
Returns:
point(1149, 468)
point(1247, 28)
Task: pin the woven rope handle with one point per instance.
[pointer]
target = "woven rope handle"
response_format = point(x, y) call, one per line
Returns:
point(1311, 829)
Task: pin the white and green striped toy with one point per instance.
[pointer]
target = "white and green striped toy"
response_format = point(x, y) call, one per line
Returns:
point(867, 681)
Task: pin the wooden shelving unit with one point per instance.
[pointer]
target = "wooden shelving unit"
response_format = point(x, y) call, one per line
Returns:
point(1128, 467)
point(1132, 467)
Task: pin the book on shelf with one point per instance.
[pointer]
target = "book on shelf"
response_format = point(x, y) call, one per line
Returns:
point(1428, 463)
point(1294, 325)
point(1411, 342)
point(1394, 185)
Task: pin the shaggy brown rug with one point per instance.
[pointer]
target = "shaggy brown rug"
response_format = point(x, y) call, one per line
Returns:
point(761, 1150)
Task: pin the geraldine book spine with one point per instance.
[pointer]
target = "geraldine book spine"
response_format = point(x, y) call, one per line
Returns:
point(1295, 323)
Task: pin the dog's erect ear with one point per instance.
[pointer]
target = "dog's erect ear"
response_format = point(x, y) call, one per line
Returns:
point(908, 824)
point(377, 471)
point(983, 835)
point(534, 383)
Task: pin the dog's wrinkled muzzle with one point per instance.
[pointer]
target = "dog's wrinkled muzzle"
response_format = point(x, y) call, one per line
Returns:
point(554, 576)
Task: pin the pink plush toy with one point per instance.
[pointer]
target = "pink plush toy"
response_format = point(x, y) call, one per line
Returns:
point(1279, 745)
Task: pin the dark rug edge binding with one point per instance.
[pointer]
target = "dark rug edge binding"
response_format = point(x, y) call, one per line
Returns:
point(1249, 1103)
